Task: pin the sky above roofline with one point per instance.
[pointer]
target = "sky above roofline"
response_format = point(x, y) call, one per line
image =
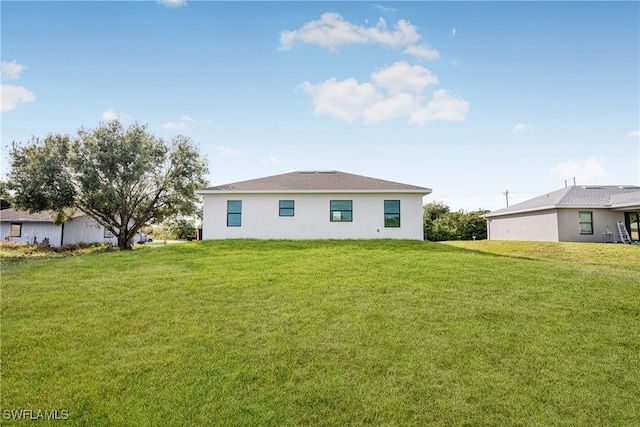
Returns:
point(472, 99)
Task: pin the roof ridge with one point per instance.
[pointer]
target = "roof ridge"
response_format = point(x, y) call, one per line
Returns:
point(318, 180)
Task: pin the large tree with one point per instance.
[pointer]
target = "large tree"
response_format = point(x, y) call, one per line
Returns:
point(122, 178)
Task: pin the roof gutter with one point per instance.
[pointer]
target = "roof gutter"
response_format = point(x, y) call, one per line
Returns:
point(619, 207)
point(492, 214)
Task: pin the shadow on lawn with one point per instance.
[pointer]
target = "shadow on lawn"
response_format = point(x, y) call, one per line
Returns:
point(394, 245)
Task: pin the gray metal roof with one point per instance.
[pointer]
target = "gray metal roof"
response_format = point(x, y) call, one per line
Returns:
point(315, 181)
point(588, 196)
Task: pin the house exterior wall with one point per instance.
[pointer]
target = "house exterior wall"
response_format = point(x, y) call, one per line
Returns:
point(33, 231)
point(536, 226)
point(569, 225)
point(81, 229)
point(85, 229)
point(311, 220)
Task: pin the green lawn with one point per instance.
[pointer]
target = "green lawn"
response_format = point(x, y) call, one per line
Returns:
point(326, 333)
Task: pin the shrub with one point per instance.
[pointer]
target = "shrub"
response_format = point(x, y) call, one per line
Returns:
point(440, 224)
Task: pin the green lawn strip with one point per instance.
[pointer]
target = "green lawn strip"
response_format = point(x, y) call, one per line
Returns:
point(612, 255)
point(321, 333)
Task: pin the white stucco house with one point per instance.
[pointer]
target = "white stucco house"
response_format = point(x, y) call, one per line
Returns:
point(23, 227)
point(313, 205)
point(572, 214)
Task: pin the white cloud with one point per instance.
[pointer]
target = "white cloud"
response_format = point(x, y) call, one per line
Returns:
point(332, 31)
point(110, 114)
point(174, 125)
point(392, 92)
point(345, 100)
point(180, 124)
point(399, 105)
point(11, 70)
point(395, 91)
point(402, 77)
point(635, 133)
point(443, 106)
point(329, 31)
point(582, 171)
point(173, 3)
point(385, 9)
point(11, 95)
point(271, 160)
point(422, 51)
point(520, 127)
point(453, 32)
point(404, 34)
point(228, 152)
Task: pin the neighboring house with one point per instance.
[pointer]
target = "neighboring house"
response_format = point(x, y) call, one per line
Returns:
point(21, 226)
point(573, 214)
point(313, 205)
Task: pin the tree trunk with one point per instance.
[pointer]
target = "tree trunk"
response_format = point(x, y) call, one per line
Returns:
point(124, 241)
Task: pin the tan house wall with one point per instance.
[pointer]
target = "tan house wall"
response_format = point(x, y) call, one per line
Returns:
point(536, 226)
point(569, 225)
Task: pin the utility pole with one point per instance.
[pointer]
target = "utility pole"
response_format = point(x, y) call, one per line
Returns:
point(506, 195)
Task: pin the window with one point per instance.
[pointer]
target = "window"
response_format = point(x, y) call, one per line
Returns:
point(392, 213)
point(15, 230)
point(107, 234)
point(586, 222)
point(287, 207)
point(341, 210)
point(234, 213)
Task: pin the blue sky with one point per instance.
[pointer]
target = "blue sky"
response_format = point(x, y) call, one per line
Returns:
point(468, 98)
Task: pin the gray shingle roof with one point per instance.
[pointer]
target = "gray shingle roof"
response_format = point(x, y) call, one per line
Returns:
point(630, 198)
point(600, 196)
point(12, 215)
point(315, 181)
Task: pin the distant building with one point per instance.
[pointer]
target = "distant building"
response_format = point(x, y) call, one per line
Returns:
point(21, 226)
point(572, 214)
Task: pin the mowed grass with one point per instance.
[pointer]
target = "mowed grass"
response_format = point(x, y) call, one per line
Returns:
point(325, 333)
point(614, 255)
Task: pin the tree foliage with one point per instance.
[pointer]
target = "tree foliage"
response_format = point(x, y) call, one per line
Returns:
point(183, 228)
point(440, 224)
point(123, 178)
point(5, 196)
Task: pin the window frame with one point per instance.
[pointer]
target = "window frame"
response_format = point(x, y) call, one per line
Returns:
point(11, 228)
point(107, 234)
point(582, 223)
point(341, 217)
point(634, 232)
point(287, 211)
point(391, 214)
point(235, 213)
